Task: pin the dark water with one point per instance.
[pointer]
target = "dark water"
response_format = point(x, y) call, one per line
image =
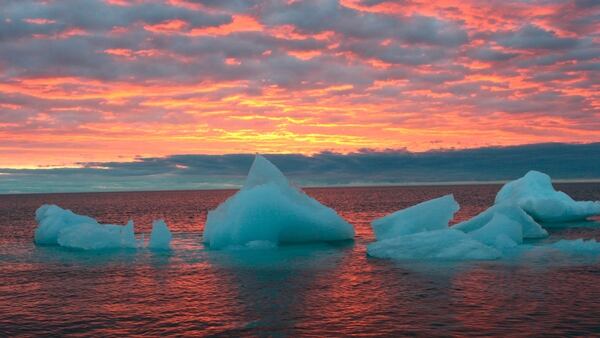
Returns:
point(312, 290)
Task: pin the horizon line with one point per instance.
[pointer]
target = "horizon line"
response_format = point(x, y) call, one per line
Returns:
point(333, 186)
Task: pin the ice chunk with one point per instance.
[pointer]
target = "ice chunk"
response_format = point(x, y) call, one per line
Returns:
point(445, 244)
point(160, 238)
point(500, 232)
point(52, 219)
point(429, 215)
point(98, 236)
point(268, 208)
point(535, 194)
point(531, 229)
point(57, 226)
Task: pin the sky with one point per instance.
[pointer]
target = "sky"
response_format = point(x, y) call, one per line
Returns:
point(103, 81)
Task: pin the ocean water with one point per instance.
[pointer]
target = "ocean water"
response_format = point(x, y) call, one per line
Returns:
point(319, 290)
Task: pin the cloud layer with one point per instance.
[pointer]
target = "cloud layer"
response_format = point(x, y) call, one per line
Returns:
point(365, 167)
point(108, 79)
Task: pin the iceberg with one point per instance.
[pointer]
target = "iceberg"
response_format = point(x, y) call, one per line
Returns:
point(57, 226)
point(445, 244)
point(530, 228)
point(160, 237)
point(421, 232)
point(52, 219)
point(430, 215)
point(535, 194)
point(268, 209)
point(500, 232)
point(87, 236)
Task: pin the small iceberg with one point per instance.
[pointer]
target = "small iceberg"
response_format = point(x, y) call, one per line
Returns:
point(57, 226)
point(267, 209)
point(61, 227)
point(530, 228)
point(421, 233)
point(160, 237)
point(535, 194)
point(434, 214)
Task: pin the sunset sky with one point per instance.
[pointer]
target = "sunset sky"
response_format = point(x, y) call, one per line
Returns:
point(112, 80)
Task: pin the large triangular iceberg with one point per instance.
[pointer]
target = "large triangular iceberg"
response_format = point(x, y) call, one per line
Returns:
point(535, 194)
point(269, 209)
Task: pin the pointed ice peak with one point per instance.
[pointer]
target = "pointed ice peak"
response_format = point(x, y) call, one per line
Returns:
point(263, 172)
point(534, 182)
point(269, 211)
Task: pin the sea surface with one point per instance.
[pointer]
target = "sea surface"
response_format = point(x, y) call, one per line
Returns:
point(318, 290)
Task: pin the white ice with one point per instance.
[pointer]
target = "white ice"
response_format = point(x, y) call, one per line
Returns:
point(445, 244)
point(530, 228)
point(421, 232)
point(268, 209)
point(87, 236)
point(430, 215)
point(535, 194)
point(57, 226)
point(160, 238)
point(500, 232)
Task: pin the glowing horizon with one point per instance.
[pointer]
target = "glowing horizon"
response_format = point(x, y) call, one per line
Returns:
point(115, 80)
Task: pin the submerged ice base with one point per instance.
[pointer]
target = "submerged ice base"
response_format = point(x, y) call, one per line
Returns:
point(268, 209)
point(535, 194)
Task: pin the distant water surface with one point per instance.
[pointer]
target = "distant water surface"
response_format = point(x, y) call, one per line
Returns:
point(302, 290)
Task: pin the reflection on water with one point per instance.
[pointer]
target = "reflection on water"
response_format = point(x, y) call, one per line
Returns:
point(327, 289)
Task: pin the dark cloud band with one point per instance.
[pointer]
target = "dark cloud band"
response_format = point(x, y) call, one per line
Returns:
point(366, 167)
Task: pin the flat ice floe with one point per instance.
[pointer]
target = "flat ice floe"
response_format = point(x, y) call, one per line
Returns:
point(267, 209)
point(535, 194)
